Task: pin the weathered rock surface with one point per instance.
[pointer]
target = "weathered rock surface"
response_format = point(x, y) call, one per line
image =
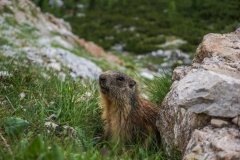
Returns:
point(57, 57)
point(209, 88)
point(226, 46)
point(177, 124)
point(214, 143)
point(204, 91)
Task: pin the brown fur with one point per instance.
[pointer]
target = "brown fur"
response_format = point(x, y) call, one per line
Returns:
point(128, 118)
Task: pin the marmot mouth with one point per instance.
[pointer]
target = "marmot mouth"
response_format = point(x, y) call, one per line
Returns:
point(104, 89)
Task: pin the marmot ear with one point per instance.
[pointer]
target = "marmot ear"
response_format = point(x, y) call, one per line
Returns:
point(132, 83)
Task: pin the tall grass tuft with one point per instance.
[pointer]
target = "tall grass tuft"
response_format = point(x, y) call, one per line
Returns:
point(159, 87)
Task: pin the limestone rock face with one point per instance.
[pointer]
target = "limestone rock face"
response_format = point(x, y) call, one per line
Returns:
point(207, 89)
point(60, 58)
point(176, 124)
point(225, 45)
point(204, 91)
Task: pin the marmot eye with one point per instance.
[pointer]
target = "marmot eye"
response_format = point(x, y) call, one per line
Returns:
point(120, 79)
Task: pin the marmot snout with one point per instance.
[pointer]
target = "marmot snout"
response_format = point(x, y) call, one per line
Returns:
point(127, 117)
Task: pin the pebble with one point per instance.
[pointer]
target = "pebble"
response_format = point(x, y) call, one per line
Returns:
point(236, 120)
point(218, 123)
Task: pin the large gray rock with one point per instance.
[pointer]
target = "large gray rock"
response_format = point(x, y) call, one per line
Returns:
point(214, 143)
point(214, 94)
point(226, 46)
point(210, 87)
point(213, 84)
point(174, 123)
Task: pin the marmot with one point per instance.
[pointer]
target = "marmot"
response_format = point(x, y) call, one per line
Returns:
point(128, 118)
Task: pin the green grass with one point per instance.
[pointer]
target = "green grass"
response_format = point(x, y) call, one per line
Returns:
point(159, 87)
point(23, 134)
point(7, 10)
point(11, 21)
point(67, 100)
point(3, 41)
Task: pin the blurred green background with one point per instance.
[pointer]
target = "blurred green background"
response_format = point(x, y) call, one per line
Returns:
point(141, 26)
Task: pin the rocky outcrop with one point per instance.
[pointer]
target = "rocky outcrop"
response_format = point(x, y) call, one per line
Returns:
point(46, 41)
point(58, 58)
point(47, 23)
point(176, 124)
point(199, 116)
point(39, 33)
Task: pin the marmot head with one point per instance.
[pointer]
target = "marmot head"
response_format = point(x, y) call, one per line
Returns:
point(117, 85)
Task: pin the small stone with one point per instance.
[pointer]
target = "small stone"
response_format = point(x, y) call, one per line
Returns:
point(192, 156)
point(62, 76)
point(56, 66)
point(236, 120)
point(22, 95)
point(51, 124)
point(46, 76)
point(51, 103)
point(5, 74)
point(52, 116)
point(197, 149)
point(147, 75)
point(218, 123)
point(71, 129)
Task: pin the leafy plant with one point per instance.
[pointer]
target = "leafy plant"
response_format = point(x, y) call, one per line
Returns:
point(15, 126)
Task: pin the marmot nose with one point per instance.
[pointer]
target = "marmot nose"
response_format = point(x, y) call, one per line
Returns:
point(102, 78)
